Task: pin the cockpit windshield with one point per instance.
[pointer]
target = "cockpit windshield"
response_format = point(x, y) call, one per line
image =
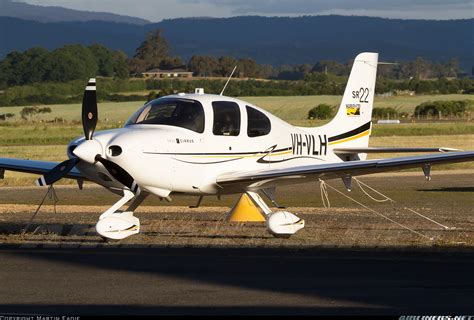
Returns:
point(184, 113)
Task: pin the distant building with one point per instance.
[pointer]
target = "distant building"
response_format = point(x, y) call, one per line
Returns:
point(388, 122)
point(165, 74)
point(404, 92)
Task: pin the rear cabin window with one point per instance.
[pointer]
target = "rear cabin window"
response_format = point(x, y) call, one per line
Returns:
point(188, 114)
point(226, 118)
point(258, 123)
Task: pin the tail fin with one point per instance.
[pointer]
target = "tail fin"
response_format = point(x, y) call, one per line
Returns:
point(352, 123)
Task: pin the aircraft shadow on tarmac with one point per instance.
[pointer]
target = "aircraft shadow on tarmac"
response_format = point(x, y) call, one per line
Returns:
point(48, 228)
point(395, 281)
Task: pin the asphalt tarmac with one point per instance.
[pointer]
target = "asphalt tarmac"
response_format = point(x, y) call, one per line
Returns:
point(172, 280)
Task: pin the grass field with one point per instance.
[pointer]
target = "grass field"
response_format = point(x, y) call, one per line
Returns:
point(56, 134)
point(288, 108)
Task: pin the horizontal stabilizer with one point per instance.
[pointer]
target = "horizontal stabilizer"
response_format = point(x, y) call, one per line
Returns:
point(391, 150)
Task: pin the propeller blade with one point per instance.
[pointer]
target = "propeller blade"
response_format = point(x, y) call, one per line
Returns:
point(57, 172)
point(119, 173)
point(89, 109)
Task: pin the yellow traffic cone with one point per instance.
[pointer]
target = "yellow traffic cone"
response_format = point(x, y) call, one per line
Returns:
point(245, 211)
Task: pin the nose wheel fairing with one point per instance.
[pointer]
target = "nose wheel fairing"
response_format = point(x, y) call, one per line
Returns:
point(118, 225)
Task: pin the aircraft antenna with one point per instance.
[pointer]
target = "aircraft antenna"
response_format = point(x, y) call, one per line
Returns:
point(230, 77)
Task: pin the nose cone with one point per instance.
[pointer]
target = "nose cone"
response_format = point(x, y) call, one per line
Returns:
point(88, 150)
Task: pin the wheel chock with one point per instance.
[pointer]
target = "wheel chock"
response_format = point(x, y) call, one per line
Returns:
point(245, 211)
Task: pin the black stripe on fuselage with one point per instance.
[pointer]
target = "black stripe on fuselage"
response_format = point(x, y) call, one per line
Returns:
point(351, 133)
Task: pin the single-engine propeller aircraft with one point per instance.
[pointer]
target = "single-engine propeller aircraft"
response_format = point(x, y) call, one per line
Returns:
point(202, 144)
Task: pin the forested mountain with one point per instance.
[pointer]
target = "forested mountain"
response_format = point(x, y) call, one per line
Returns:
point(274, 40)
point(17, 34)
point(282, 40)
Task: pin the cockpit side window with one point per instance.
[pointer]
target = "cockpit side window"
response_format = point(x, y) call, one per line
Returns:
point(226, 118)
point(188, 114)
point(258, 123)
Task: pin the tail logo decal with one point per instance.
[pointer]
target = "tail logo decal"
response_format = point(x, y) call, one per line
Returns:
point(353, 109)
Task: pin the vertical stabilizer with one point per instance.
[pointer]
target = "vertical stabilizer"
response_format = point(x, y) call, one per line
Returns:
point(351, 126)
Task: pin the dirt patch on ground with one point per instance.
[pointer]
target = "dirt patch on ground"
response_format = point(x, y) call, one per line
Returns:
point(208, 226)
point(447, 199)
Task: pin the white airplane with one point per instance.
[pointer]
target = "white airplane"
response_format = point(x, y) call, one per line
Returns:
point(202, 144)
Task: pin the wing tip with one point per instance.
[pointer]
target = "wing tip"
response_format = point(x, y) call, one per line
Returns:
point(40, 182)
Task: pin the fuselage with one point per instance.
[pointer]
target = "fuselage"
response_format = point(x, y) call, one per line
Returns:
point(182, 143)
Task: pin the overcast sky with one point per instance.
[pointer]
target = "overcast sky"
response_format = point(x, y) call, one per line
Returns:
point(157, 10)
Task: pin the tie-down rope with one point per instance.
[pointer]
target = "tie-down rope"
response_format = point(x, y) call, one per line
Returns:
point(51, 193)
point(386, 198)
point(324, 194)
point(323, 183)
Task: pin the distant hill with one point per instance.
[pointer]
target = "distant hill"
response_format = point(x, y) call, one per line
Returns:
point(282, 40)
point(268, 40)
point(15, 9)
point(18, 34)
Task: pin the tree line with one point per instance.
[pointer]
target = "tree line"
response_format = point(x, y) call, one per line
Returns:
point(112, 89)
point(39, 76)
point(74, 62)
point(419, 68)
point(64, 64)
point(155, 52)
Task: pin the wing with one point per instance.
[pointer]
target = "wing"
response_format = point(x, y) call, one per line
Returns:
point(243, 181)
point(35, 167)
